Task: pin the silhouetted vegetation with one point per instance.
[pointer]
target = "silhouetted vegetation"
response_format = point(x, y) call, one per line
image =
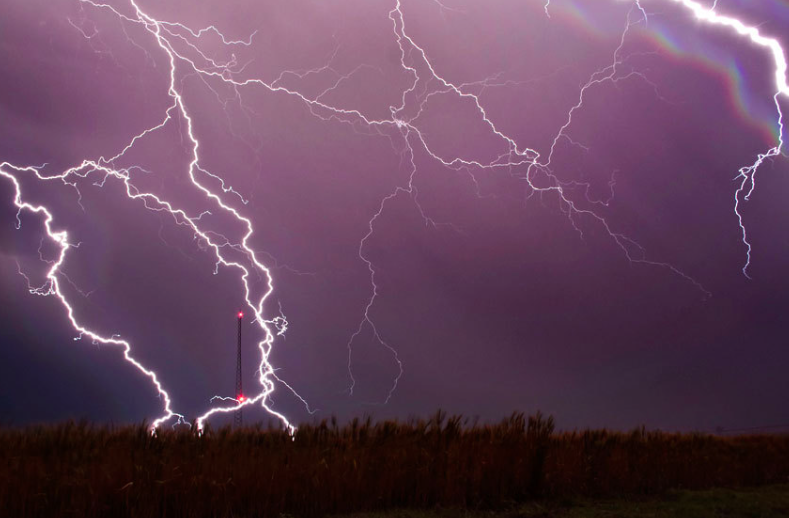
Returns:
point(81, 470)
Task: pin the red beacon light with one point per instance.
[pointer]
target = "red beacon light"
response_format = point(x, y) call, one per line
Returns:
point(240, 314)
point(241, 398)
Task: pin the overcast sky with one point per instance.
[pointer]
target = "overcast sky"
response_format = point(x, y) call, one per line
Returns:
point(622, 304)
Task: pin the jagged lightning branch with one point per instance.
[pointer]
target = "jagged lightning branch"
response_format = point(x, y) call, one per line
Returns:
point(265, 368)
point(514, 156)
point(266, 372)
point(52, 287)
point(747, 174)
point(531, 158)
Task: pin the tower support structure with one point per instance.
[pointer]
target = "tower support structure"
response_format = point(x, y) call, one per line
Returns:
point(237, 415)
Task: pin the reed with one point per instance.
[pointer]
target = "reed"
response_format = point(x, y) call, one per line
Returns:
point(75, 469)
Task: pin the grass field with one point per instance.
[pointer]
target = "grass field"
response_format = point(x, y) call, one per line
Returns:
point(444, 462)
point(766, 502)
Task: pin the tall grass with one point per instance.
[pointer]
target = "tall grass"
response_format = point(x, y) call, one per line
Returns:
point(80, 470)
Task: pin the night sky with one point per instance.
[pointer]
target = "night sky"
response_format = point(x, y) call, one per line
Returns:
point(622, 304)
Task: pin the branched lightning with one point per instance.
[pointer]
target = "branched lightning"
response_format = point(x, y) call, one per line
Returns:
point(105, 169)
point(180, 45)
point(747, 174)
point(516, 155)
point(52, 285)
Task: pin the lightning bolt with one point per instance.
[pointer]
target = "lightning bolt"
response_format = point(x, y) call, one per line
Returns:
point(403, 126)
point(53, 287)
point(160, 30)
point(747, 174)
point(517, 156)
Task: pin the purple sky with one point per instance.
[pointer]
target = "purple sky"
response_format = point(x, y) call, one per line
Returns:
point(496, 296)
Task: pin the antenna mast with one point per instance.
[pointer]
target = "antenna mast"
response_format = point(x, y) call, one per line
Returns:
point(237, 417)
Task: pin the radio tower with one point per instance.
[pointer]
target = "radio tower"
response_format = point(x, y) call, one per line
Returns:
point(237, 417)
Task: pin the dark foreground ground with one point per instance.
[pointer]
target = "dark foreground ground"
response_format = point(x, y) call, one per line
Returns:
point(519, 467)
point(766, 502)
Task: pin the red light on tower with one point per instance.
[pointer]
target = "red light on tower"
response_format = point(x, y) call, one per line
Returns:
point(241, 399)
point(240, 314)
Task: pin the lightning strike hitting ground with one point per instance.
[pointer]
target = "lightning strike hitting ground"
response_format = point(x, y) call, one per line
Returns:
point(52, 287)
point(189, 58)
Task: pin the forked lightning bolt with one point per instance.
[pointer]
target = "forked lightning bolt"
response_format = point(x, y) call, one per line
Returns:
point(402, 126)
point(747, 175)
point(52, 285)
point(105, 166)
